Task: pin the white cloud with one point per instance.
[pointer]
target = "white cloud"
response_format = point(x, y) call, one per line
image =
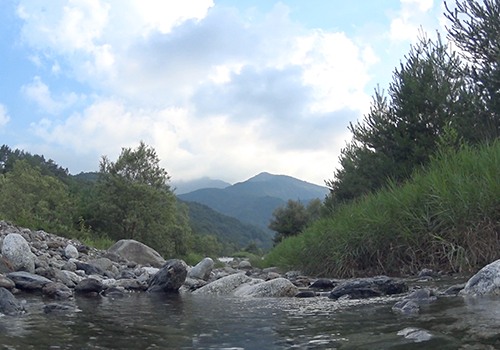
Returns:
point(4, 117)
point(213, 93)
point(414, 16)
point(39, 93)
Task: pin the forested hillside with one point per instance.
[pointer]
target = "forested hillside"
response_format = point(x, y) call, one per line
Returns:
point(127, 198)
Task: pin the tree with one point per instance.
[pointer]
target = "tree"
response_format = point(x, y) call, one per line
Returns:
point(289, 220)
point(475, 29)
point(32, 199)
point(134, 200)
point(428, 92)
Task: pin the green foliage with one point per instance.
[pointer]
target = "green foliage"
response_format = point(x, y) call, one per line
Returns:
point(475, 30)
point(293, 218)
point(134, 201)
point(34, 200)
point(399, 134)
point(445, 218)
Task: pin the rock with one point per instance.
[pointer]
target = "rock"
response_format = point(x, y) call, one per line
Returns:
point(115, 292)
point(89, 269)
point(427, 273)
point(17, 252)
point(279, 287)
point(192, 284)
point(56, 290)
point(71, 252)
point(9, 304)
point(5, 266)
point(407, 307)
point(27, 281)
point(68, 278)
point(322, 284)
point(202, 270)
point(485, 282)
point(360, 288)
point(224, 286)
point(89, 286)
point(170, 277)
point(6, 282)
point(60, 307)
point(245, 265)
point(138, 252)
point(104, 264)
point(415, 334)
point(410, 305)
point(272, 276)
point(454, 290)
point(306, 294)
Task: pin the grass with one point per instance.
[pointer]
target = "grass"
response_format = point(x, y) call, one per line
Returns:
point(447, 217)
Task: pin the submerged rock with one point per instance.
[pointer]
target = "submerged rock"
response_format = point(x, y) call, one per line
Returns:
point(415, 334)
point(60, 307)
point(169, 278)
point(360, 288)
point(9, 304)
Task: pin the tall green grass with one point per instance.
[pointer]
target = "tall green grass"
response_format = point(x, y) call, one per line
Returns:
point(447, 217)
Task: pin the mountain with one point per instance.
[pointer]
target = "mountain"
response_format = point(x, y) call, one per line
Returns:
point(182, 187)
point(253, 201)
point(231, 232)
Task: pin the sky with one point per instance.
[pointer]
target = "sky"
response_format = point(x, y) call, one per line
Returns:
point(224, 89)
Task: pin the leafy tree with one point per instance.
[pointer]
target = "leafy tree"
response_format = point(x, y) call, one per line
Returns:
point(134, 200)
point(289, 220)
point(399, 133)
point(32, 199)
point(475, 29)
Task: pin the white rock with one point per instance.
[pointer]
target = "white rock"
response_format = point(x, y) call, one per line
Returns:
point(485, 282)
point(224, 286)
point(15, 250)
point(202, 270)
point(71, 252)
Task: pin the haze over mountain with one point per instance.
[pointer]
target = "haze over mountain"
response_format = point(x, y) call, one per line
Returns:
point(254, 200)
point(182, 187)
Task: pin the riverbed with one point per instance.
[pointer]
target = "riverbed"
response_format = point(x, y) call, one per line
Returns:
point(149, 321)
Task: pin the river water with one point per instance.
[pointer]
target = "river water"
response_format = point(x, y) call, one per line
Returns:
point(143, 321)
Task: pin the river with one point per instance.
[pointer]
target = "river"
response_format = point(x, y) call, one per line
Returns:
point(144, 321)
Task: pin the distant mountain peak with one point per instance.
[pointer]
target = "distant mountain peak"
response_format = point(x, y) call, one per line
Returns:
point(264, 176)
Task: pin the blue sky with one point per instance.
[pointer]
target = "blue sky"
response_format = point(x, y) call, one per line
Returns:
point(225, 89)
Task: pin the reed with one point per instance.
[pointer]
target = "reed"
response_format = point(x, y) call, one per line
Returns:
point(447, 217)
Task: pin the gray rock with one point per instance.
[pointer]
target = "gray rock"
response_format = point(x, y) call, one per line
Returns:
point(89, 285)
point(60, 307)
point(415, 334)
point(202, 270)
point(407, 307)
point(56, 290)
point(170, 277)
point(360, 288)
point(9, 304)
point(279, 287)
point(89, 269)
point(27, 281)
point(306, 294)
point(68, 278)
point(6, 283)
point(71, 252)
point(485, 282)
point(17, 252)
point(138, 252)
point(322, 284)
point(104, 264)
point(244, 265)
point(224, 286)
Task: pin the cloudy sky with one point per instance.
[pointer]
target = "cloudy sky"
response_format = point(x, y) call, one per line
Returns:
point(220, 88)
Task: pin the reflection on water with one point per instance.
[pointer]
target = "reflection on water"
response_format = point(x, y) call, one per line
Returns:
point(142, 321)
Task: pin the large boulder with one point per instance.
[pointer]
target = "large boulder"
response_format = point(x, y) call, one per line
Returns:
point(9, 304)
point(485, 282)
point(279, 287)
point(27, 281)
point(17, 252)
point(169, 278)
point(202, 270)
point(224, 286)
point(360, 288)
point(138, 252)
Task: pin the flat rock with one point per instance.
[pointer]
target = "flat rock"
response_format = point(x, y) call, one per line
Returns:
point(360, 288)
point(28, 281)
point(138, 252)
point(224, 286)
point(279, 287)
